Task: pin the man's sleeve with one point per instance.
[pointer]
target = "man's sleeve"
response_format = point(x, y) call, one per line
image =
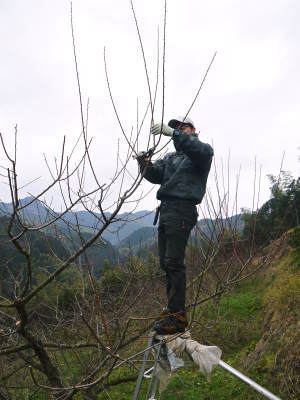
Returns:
point(200, 153)
point(154, 172)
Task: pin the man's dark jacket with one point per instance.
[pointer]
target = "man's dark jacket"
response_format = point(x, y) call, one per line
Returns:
point(181, 174)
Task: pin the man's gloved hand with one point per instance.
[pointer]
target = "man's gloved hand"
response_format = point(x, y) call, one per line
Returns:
point(143, 156)
point(163, 128)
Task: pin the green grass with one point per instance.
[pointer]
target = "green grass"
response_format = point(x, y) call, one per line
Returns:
point(241, 304)
point(189, 384)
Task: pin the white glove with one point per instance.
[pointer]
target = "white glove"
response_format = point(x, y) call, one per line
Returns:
point(163, 128)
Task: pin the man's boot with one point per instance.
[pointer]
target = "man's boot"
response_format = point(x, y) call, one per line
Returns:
point(171, 324)
point(163, 315)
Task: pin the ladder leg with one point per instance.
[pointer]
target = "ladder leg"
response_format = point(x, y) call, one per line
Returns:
point(154, 389)
point(141, 373)
point(157, 354)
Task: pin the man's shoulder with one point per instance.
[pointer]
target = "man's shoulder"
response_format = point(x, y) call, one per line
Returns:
point(207, 146)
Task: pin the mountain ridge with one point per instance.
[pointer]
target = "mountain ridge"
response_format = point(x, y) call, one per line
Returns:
point(121, 231)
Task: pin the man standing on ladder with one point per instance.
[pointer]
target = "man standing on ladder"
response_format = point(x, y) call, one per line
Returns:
point(182, 176)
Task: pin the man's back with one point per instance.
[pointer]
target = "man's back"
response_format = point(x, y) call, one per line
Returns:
point(182, 174)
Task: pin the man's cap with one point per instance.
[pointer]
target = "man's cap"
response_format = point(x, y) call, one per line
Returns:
point(173, 123)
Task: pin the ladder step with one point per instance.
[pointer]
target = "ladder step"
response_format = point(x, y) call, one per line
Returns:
point(150, 373)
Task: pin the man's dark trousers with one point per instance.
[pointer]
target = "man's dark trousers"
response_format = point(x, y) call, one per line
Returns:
point(177, 218)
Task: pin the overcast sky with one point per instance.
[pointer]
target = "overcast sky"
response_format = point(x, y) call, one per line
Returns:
point(250, 104)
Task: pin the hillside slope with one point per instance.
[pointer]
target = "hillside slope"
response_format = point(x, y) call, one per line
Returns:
point(257, 328)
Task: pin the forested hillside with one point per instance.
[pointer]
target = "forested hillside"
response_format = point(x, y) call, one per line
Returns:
point(257, 327)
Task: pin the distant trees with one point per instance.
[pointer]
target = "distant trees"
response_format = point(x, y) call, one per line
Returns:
point(278, 214)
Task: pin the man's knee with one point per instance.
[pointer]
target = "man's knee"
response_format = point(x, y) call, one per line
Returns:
point(174, 264)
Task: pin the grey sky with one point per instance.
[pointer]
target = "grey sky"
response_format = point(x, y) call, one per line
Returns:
point(250, 103)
